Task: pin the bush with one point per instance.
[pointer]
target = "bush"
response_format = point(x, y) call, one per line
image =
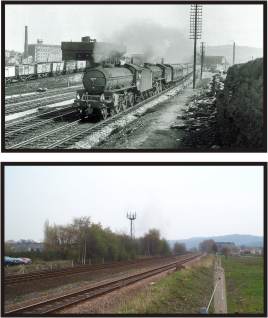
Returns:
point(240, 107)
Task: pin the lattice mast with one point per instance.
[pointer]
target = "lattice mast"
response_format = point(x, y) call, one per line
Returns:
point(131, 217)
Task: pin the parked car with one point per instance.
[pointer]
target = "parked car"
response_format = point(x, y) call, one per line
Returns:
point(17, 261)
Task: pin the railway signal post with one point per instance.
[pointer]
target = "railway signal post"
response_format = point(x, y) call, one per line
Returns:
point(195, 30)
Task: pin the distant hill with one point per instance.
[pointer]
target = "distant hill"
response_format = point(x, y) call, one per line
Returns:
point(242, 53)
point(238, 239)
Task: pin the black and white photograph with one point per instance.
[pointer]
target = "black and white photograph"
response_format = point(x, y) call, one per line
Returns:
point(144, 77)
point(178, 240)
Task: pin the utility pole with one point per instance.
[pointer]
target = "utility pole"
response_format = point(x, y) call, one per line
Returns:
point(131, 217)
point(202, 49)
point(234, 53)
point(195, 30)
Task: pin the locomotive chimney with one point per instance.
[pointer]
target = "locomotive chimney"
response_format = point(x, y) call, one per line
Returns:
point(162, 60)
point(26, 42)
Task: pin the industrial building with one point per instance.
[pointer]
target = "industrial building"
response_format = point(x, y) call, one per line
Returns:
point(40, 52)
point(25, 246)
point(92, 51)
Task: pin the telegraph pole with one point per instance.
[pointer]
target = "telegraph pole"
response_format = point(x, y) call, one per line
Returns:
point(131, 217)
point(234, 53)
point(202, 49)
point(195, 30)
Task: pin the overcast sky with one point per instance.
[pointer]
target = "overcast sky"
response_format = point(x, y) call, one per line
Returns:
point(55, 23)
point(181, 201)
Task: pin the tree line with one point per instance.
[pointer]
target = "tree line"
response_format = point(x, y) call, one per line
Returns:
point(86, 242)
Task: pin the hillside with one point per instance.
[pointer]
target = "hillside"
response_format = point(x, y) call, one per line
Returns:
point(243, 53)
point(238, 239)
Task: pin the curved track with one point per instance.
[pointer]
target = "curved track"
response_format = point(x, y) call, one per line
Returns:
point(29, 123)
point(68, 134)
point(38, 102)
point(45, 274)
point(59, 303)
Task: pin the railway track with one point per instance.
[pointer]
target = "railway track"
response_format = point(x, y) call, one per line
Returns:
point(21, 278)
point(42, 101)
point(36, 95)
point(58, 303)
point(28, 123)
point(72, 132)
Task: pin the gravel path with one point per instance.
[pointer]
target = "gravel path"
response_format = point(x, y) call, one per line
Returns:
point(109, 304)
point(220, 303)
point(152, 130)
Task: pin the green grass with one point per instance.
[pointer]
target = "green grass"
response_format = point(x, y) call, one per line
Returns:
point(244, 284)
point(184, 291)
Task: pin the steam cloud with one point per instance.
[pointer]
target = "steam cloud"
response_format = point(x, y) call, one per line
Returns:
point(153, 40)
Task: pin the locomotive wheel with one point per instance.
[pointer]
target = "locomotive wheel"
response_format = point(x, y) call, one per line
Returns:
point(138, 99)
point(117, 108)
point(125, 103)
point(104, 113)
point(131, 100)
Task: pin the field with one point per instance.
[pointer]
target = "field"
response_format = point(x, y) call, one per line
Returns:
point(184, 291)
point(244, 284)
point(36, 266)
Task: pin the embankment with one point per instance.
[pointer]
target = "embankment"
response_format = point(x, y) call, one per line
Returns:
point(240, 107)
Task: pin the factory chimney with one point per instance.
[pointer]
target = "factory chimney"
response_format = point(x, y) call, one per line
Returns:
point(26, 42)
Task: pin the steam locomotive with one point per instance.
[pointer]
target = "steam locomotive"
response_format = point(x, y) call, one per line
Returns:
point(109, 90)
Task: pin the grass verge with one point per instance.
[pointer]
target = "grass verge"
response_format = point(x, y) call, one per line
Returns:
point(244, 284)
point(184, 291)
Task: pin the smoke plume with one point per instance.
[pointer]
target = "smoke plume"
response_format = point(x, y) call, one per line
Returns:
point(155, 42)
point(152, 40)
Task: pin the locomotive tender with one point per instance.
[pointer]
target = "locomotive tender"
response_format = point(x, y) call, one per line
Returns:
point(109, 90)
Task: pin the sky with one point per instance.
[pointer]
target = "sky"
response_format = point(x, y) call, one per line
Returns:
point(180, 201)
point(222, 24)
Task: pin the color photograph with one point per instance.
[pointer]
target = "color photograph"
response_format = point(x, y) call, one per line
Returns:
point(139, 239)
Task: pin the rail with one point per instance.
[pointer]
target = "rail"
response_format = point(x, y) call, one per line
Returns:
point(61, 302)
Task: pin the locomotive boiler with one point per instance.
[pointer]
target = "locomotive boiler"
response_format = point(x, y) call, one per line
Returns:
point(109, 90)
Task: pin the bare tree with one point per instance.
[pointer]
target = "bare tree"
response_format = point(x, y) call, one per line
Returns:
point(226, 251)
point(208, 246)
point(179, 248)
